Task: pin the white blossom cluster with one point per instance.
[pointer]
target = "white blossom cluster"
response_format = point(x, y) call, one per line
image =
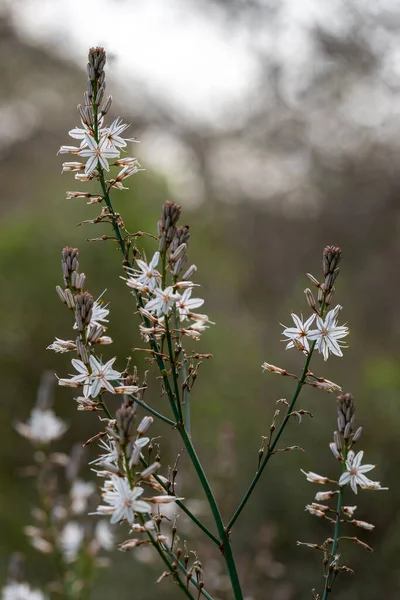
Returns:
point(122, 489)
point(99, 145)
point(159, 302)
point(327, 335)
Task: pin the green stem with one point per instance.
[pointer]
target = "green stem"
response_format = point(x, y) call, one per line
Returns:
point(330, 575)
point(186, 393)
point(177, 411)
point(173, 368)
point(272, 447)
point(225, 545)
point(152, 411)
point(191, 579)
point(178, 502)
point(166, 561)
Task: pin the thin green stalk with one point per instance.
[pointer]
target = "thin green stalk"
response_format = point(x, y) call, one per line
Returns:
point(329, 577)
point(195, 520)
point(225, 545)
point(178, 502)
point(174, 373)
point(186, 393)
point(272, 447)
point(191, 578)
point(166, 561)
point(152, 411)
point(224, 538)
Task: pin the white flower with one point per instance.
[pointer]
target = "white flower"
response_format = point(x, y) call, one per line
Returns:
point(314, 477)
point(328, 333)
point(79, 494)
point(320, 496)
point(298, 333)
point(97, 153)
point(362, 524)
point(42, 427)
point(80, 134)
point(147, 276)
point(314, 509)
point(349, 510)
point(62, 345)
point(71, 539)
point(186, 304)
point(102, 375)
point(113, 134)
point(163, 301)
point(354, 473)
point(111, 455)
point(21, 591)
point(123, 501)
point(99, 313)
point(99, 377)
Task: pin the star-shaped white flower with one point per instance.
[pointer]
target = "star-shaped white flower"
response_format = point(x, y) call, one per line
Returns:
point(92, 380)
point(60, 345)
point(354, 473)
point(122, 500)
point(97, 153)
point(298, 333)
point(163, 301)
point(146, 276)
point(186, 304)
point(102, 375)
point(113, 134)
point(328, 334)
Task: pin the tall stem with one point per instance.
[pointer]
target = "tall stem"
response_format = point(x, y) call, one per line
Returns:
point(225, 545)
point(272, 447)
point(330, 575)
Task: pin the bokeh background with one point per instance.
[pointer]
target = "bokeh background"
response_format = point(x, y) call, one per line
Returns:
point(276, 125)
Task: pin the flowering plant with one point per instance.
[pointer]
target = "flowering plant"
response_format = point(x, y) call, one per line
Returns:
point(133, 489)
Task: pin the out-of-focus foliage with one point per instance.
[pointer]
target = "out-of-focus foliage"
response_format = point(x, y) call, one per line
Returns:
point(297, 170)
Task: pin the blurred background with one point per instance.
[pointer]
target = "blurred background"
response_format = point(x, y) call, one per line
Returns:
point(276, 126)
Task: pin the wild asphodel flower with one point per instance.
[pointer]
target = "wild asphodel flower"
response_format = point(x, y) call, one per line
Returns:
point(93, 380)
point(186, 304)
point(122, 500)
point(146, 276)
point(98, 153)
point(354, 473)
point(163, 301)
point(299, 333)
point(328, 334)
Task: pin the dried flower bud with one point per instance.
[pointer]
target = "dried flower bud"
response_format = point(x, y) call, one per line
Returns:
point(166, 225)
point(321, 496)
point(338, 440)
point(310, 299)
point(69, 263)
point(313, 279)
point(82, 350)
point(330, 259)
point(144, 425)
point(267, 367)
point(357, 435)
point(345, 408)
point(187, 276)
point(335, 451)
point(363, 524)
point(83, 310)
